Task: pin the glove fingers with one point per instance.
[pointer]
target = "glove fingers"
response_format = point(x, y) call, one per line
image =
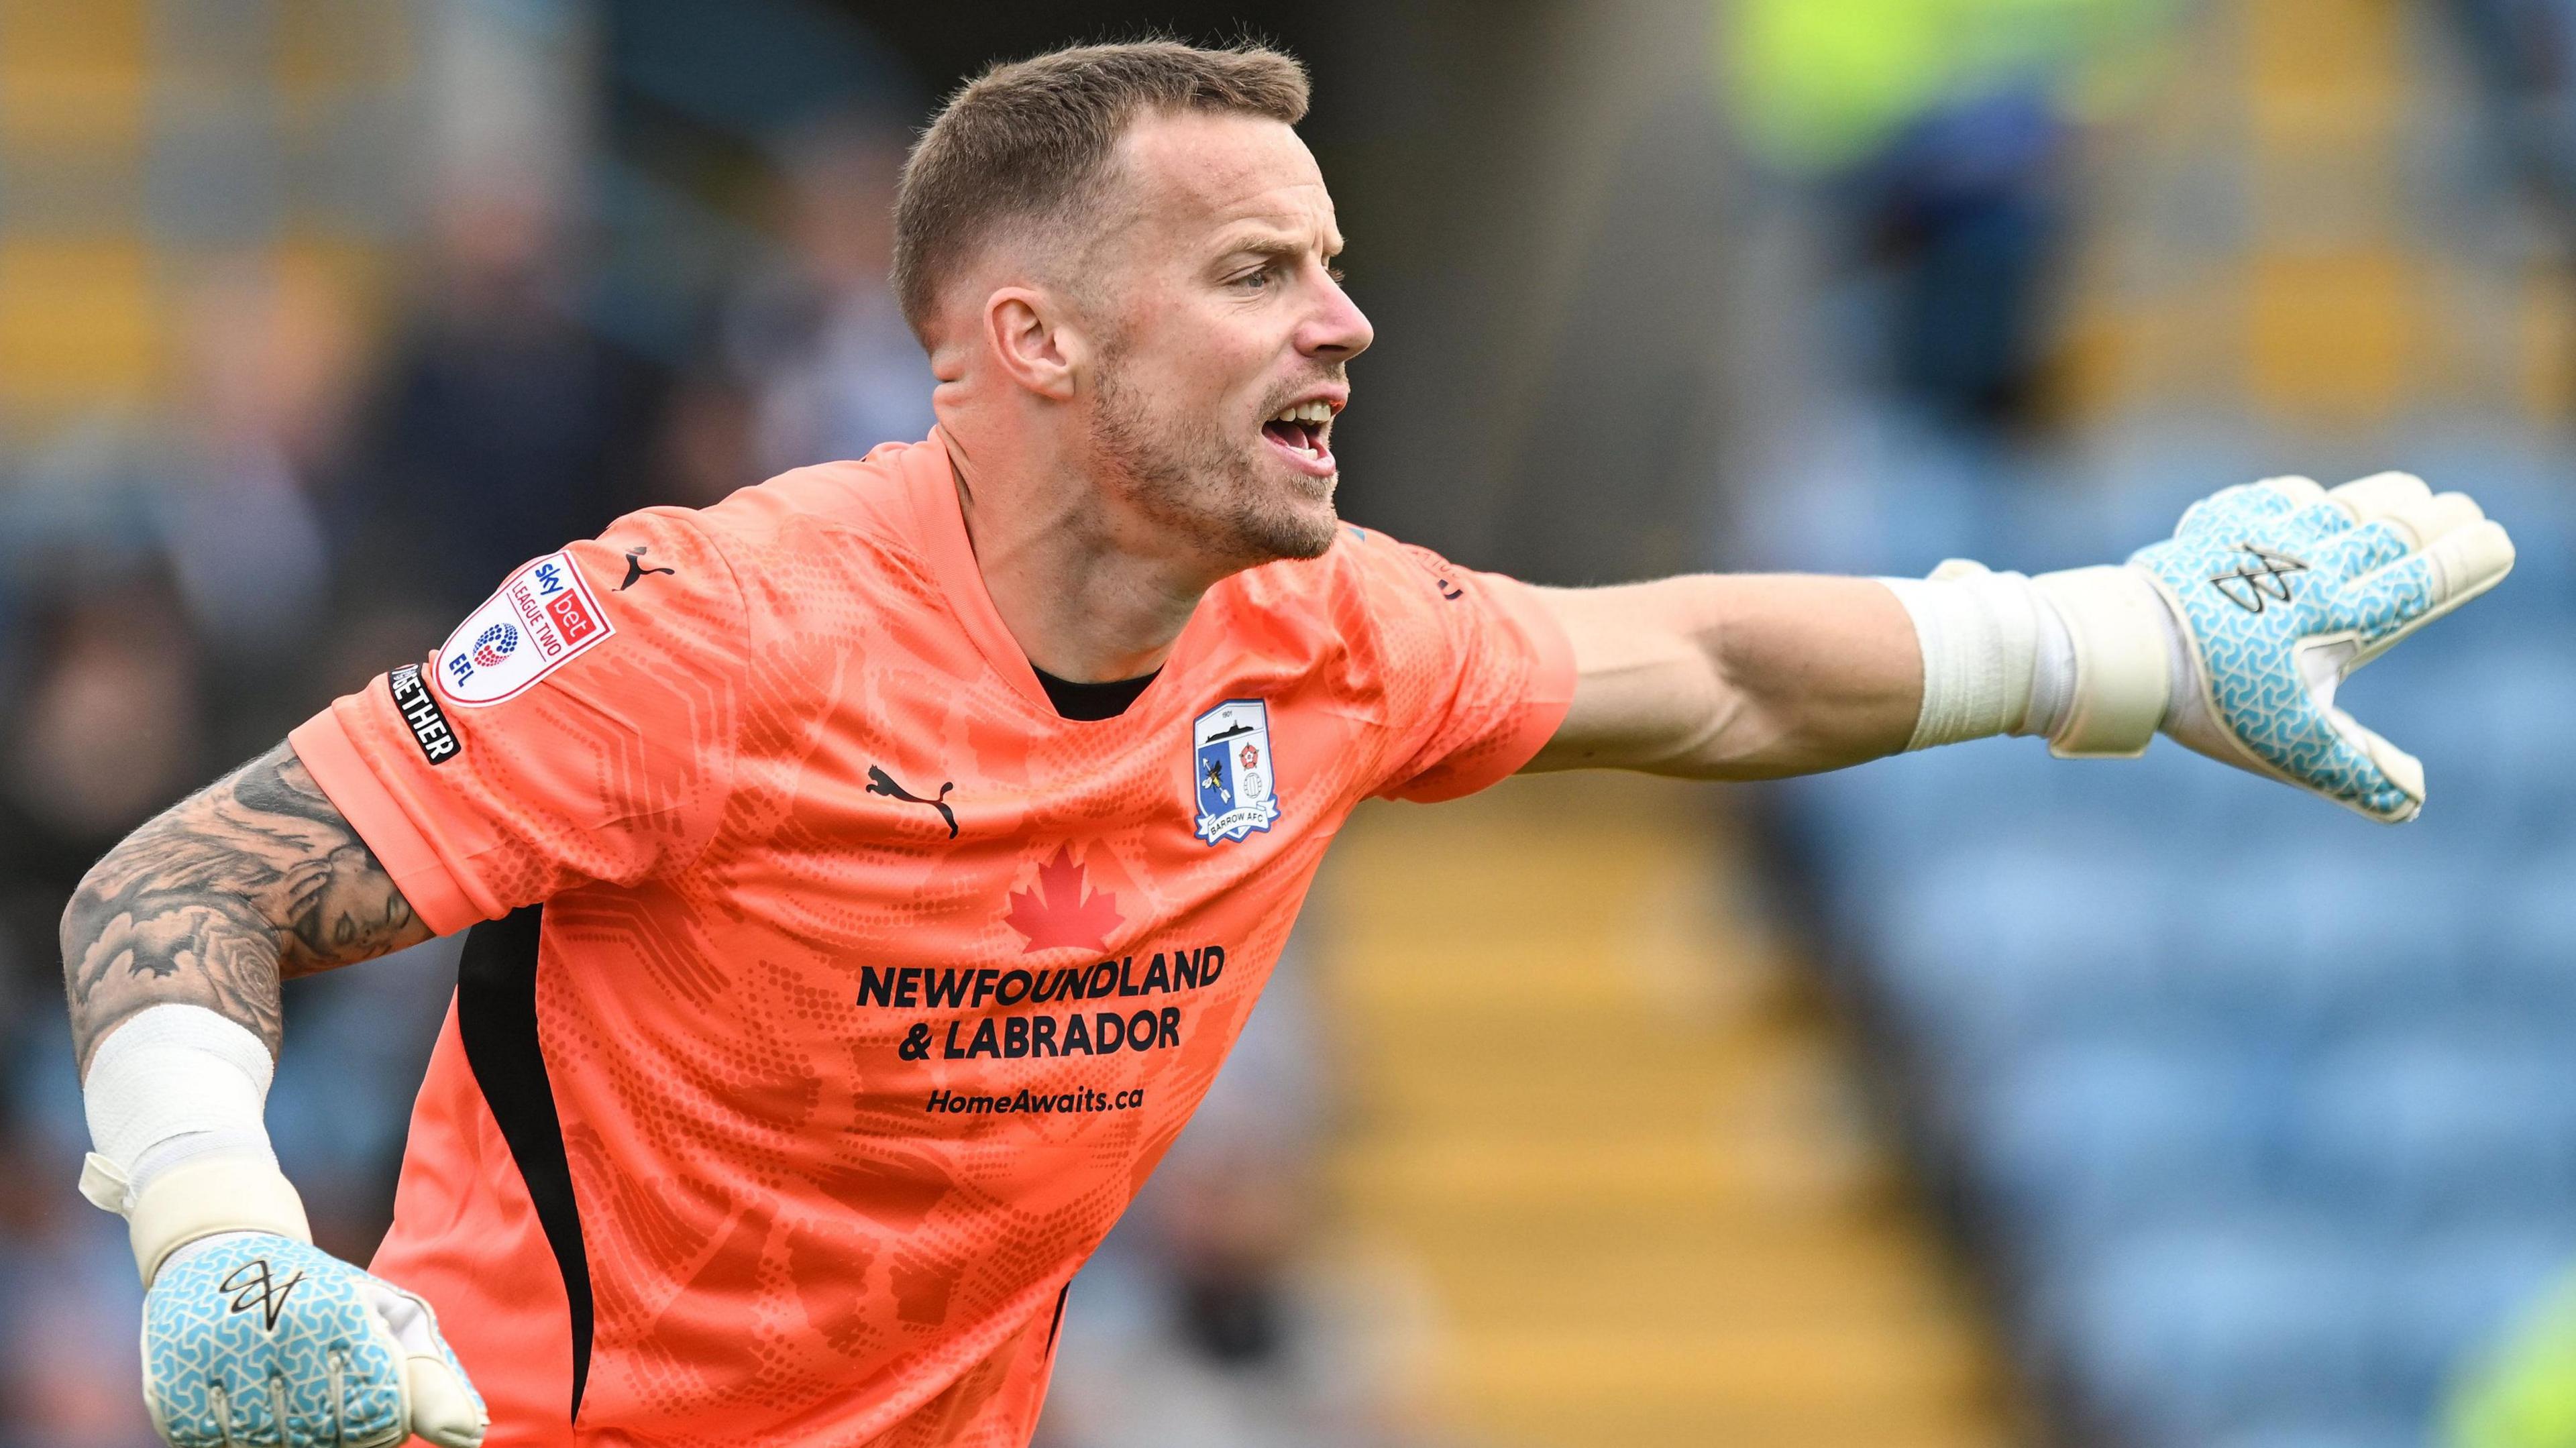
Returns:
point(373, 1409)
point(2270, 498)
point(2449, 522)
point(443, 1409)
point(257, 1339)
point(248, 1409)
point(189, 1425)
point(2332, 753)
point(2295, 492)
point(2364, 511)
point(2386, 605)
point(2469, 561)
point(2358, 768)
point(2383, 606)
point(2361, 549)
point(2393, 515)
point(2437, 517)
point(2379, 495)
point(2398, 791)
point(2307, 529)
point(313, 1411)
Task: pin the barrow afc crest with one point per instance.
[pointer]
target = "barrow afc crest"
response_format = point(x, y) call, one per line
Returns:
point(1231, 763)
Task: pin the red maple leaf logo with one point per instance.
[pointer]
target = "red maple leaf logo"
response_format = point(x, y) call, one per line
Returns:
point(1062, 908)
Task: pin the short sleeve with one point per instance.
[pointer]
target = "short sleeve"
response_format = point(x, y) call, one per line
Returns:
point(1495, 669)
point(580, 726)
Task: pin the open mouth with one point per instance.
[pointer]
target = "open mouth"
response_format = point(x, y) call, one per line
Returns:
point(1302, 432)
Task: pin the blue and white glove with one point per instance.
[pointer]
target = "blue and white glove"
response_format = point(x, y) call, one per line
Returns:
point(2232, 636)
point(251, 1335)
point(2272, 593)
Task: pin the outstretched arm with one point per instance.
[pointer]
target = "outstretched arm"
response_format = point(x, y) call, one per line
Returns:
point(255, 879)
point(1739, 676)
point(2232, 636)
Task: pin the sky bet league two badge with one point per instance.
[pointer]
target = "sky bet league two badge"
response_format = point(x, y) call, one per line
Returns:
point(541, 618)
point(1230, 759)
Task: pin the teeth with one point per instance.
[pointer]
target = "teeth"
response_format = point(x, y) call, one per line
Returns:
point(1316, 411)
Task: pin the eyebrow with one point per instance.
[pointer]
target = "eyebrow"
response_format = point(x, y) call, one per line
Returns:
point(1275, 244)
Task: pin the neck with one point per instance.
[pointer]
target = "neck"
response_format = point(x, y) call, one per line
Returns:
point(1084, 603)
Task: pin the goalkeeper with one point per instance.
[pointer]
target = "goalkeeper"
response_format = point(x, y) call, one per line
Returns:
point(867, 875)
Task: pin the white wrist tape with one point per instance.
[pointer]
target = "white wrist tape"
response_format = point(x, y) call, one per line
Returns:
point(1996, 657)
point(174, 1097)
point(171, 1078)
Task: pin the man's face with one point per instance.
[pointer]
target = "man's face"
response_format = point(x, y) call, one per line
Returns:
point(1224, 334)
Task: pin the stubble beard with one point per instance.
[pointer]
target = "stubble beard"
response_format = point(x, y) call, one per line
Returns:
point(1188, 477)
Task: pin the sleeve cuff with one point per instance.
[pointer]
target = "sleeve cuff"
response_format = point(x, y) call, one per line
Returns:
point(322, 743)
point(1549, 694)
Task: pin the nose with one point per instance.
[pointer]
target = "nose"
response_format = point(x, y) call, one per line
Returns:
point(1336, 330)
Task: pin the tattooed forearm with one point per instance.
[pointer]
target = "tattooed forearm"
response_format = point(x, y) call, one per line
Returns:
point(253, 880)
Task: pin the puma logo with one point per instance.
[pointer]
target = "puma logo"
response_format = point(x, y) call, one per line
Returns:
point(880, 782)
point(635, 569)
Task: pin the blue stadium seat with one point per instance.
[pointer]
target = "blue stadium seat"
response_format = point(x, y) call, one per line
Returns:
point(2181, 1336)
point(2512, 760)
point(2443, 1125)
point(2452, 1294)
point(1988, 946)
point(2525, 962)
point(2324, 1430)
point(2085, 1140)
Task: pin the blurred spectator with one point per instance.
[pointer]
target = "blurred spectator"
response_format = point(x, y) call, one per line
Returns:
point(505, 428)
point(1965, 213)
point(707, 449)
point(104, 727)
point(818, 341)
point(1936, 134)
point(1214, 1324)
point(272, 364)
point(213, 498)
point(2523, 54)
point(106, 732)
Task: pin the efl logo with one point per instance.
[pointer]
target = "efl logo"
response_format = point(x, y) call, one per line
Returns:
point(542, 617)
point(497, 643)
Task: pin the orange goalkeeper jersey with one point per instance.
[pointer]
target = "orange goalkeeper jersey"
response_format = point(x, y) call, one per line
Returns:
point(834, 994)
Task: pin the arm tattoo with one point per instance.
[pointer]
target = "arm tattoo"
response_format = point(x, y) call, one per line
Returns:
point(253, 880)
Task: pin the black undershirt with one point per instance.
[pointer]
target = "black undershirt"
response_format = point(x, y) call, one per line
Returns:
point(1091, 701)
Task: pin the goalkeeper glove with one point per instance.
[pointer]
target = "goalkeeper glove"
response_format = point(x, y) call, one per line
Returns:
point(2232, 636)
point(250, 1333)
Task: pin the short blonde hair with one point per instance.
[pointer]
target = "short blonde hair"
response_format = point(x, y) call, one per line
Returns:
point(1029, 141)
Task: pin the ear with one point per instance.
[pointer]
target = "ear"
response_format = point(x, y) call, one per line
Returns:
point(1034, 341)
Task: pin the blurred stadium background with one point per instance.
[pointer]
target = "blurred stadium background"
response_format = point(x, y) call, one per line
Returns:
point(1963, 1099)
